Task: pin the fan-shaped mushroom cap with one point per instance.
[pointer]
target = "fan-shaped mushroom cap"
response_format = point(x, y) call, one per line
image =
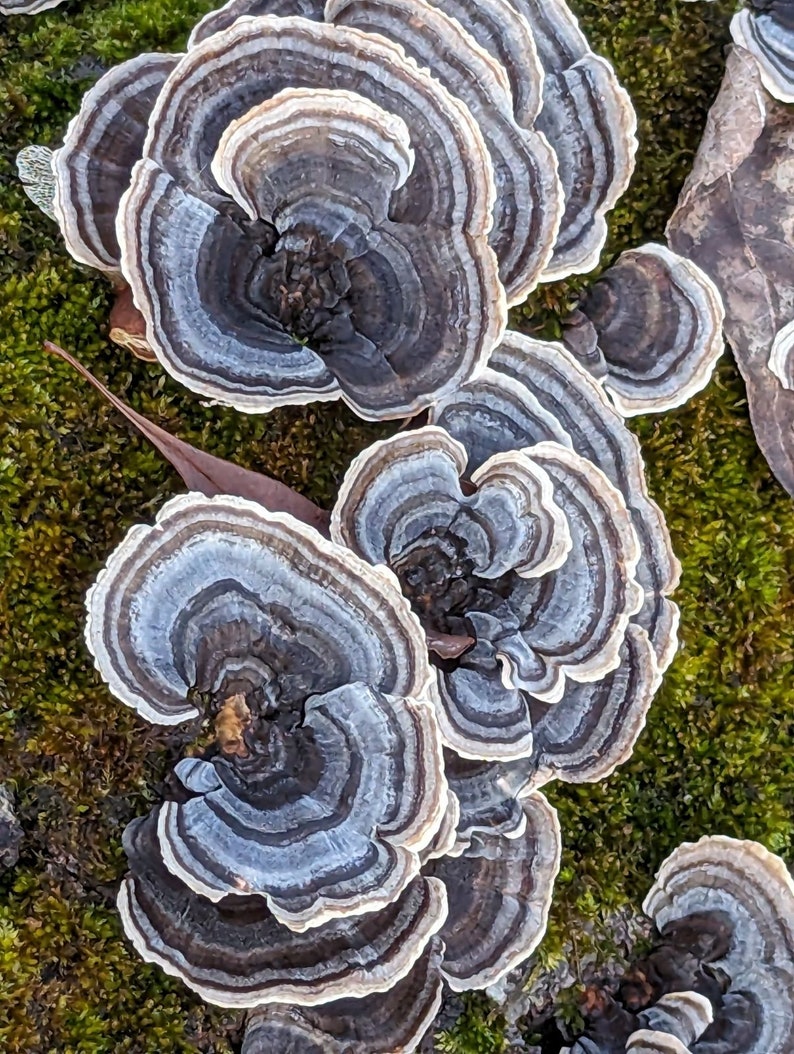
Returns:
point(219, 588)
point(226, 16)
point(282, 159)
point(34, 166)
point(499, 892)
point(768, 34)
point(27, 7)
point(529, 203)
point(402, 490)
point(781, 360)
point(657, 321)
point(224, 599)
point(102, 143)
point(387, 315)
point(580, 739)
point(234, 953)
point(646, 1041)
point(590, 122)
point(501, 562)
point(328, 820)
point(684, 1015)
point(744, 883)
point(390, 1022)
point(535, 391)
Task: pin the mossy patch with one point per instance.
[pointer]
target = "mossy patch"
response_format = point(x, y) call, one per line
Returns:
point(716, 756)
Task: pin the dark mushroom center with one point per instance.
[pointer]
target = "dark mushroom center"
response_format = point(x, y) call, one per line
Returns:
point(307, 286)
point(439, 580)
point(252, 687)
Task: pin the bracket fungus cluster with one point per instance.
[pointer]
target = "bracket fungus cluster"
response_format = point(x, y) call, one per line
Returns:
point(720, 977)
point(340, 201)
point(307, 863)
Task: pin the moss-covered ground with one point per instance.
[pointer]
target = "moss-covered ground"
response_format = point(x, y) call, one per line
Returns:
point(716, 755)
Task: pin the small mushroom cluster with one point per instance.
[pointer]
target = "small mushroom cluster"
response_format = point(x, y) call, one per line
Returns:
point(650, 329)
point(720, 978)
point(340, 201)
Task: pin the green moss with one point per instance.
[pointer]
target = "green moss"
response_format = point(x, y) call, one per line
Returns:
point(716, 756)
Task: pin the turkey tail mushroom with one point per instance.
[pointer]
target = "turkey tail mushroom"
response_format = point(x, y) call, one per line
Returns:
point(745, 886)
point(499, 892)
point(657, 323)
point(236, 954)
point(767, 32)
point(390, 1022)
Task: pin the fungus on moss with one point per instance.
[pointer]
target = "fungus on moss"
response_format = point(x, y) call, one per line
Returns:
point(537, 565)
point(650, 329)
point(751, 892)
point(328, 781)
point(366, 241)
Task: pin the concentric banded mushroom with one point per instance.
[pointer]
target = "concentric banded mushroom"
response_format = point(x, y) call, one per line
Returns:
point(653, 321)
point(329, 779)
point(344, 295)
point(507, 564)
point(27, 7)
point(235, 953)
point(684, 1015)
point(529, 202)
point(534, 391)
point(102, 143)
point(388, 1023)
point(590, 122)
point(326, 819)
point(746, 886)
point(499, 892)
point(645, 1041)
point(766, 30)
point(371, 243)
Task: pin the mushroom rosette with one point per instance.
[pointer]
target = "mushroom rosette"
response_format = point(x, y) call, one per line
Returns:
point(286, 241)
point(525, 56)
point(535, 392)
point(535, 565)
point(327, 779)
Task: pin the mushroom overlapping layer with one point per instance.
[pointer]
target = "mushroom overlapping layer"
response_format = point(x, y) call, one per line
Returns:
point(650, 329)
point(529, 201)
point(236, 953)
point(285, 241)
point(590, 122)
point(766, 29)
point(555, 84)
point(328, 782)
point(535, 391)
point(537, 565)
point(499, 891)
point(751, 893)
point(385, 1023)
